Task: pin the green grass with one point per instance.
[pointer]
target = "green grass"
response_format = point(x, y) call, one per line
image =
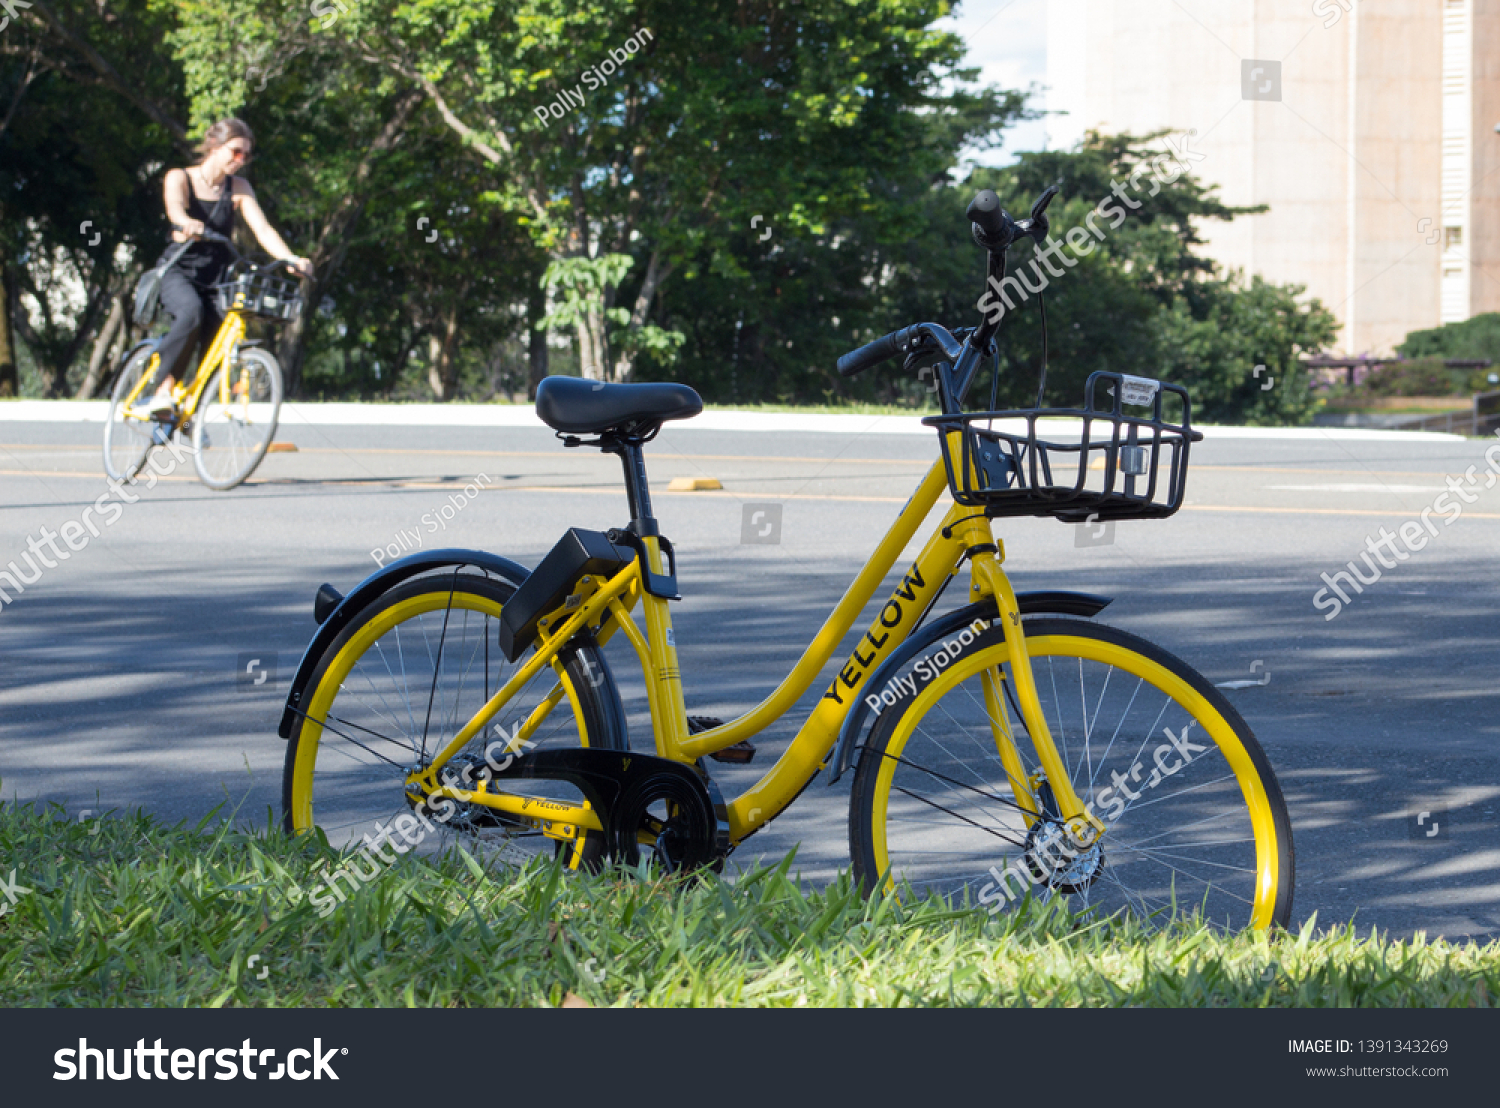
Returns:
point(126, 911)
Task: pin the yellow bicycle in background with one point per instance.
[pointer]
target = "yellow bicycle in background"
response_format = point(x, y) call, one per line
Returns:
point(231, 405)
point(1009, 747)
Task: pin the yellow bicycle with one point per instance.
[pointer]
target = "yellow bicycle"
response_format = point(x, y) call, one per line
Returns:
point(231, 405)
point(1007, 748)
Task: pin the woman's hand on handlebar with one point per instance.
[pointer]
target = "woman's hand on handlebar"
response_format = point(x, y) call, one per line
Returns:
point(301, 266)
point(187, 229)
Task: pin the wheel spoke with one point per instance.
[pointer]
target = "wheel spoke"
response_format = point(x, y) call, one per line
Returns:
point(940, 813)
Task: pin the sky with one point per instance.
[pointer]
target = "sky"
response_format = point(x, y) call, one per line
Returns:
point(1007, 41)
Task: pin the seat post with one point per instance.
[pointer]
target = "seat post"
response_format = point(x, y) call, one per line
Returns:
point(637, 492)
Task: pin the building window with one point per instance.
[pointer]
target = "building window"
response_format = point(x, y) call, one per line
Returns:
point(1453, 238)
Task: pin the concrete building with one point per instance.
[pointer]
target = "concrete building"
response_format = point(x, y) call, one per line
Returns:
point(1368, 126)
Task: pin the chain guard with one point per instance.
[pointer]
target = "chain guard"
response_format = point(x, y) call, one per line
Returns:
point(621, 786)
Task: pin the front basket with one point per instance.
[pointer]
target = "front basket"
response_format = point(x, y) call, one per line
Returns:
point(1119, 466)
point(260, 294)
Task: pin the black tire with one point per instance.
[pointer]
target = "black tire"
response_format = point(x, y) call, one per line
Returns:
point(934, 807)
point(449, 620)
point(127, 438)
point(230, 439)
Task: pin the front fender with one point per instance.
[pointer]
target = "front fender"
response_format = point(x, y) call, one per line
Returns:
point(1030, 603)
point(379, 582)
point(145, 344)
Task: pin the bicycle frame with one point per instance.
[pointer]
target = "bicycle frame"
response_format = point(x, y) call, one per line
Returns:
point(187, 395)
point(604, 606)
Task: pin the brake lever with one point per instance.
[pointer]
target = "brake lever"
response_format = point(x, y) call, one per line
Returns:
point(1038, 225)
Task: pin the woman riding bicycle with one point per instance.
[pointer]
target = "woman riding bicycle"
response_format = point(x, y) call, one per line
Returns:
point(208, 195)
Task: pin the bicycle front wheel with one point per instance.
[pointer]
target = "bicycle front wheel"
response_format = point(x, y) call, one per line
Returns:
point(398, 684)
point(128, 429)
point(950, 797)
point(236, 419)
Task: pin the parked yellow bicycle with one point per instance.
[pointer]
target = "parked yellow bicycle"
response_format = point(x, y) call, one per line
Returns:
point(230, 407)
point(1007, 747)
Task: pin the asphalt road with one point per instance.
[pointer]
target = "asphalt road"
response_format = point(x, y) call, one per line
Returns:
point(119, 668)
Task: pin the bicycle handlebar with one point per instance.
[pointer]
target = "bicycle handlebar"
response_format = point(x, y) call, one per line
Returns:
point(873, 353)
point(209, 235)
point(994, 230)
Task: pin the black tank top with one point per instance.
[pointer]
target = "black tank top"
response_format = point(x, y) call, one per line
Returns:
point(204, 263)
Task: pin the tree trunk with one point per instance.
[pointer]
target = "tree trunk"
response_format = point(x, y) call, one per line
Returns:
point(442, 366)
point(657, 271)
point(99, 359)
point(589, 366)
point(10, 378)
point(536, 308)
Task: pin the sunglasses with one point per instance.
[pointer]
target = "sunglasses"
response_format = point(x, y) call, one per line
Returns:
point(243, 155)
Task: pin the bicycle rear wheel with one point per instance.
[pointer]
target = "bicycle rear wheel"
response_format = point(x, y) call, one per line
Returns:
point(128, 428)
point(1195, 819)
point(395, 687)
point(236, 419)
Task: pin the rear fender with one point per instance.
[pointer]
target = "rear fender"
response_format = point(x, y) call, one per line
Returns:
point(372, 587)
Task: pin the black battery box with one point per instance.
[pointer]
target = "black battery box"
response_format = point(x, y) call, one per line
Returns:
point(577, 554)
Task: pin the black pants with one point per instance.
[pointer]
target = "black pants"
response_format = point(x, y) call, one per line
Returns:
point(195, 318)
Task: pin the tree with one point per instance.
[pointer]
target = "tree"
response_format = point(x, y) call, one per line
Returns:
point(1133, 296)
point(79, 147)
point(649, 129)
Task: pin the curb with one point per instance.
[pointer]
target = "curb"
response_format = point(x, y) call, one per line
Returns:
point(524, 415)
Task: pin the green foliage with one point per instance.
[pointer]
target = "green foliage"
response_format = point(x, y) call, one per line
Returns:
point(70, 157)
point(1213, 339)
point(128, 911)
point(754, 191)
point(1474, 339)
point(1417, 377)
point(1140, 301)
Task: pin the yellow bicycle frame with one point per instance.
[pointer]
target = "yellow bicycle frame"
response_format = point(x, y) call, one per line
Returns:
point(187, 395)
point(602, 606)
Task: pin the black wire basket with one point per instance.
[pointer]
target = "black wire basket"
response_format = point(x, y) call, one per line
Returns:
point(1122, 466)
point(263, 295)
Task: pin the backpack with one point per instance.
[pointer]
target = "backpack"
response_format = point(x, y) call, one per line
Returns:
point(148, 288)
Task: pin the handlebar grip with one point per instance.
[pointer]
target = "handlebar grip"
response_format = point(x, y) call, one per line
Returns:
point(993, 227)
point(986, 211)
point(872, 354)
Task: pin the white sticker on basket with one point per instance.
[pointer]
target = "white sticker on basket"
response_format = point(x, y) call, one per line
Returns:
point(1138, 390)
